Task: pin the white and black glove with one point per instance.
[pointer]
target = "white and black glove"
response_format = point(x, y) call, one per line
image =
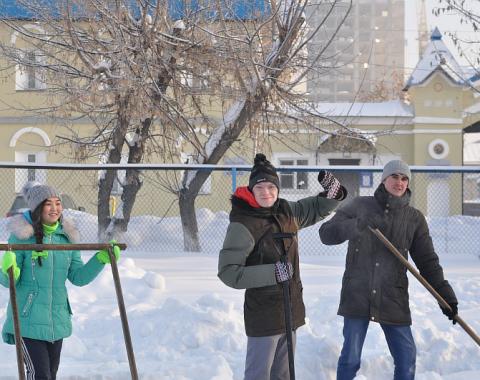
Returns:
point(331, 185)
point(283, 272)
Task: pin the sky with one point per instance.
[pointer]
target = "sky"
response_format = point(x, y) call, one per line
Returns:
point(445, 23)
point(187, 325)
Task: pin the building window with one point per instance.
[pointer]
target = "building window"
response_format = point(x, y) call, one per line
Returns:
point(22, 176)
point(31, 171)
point(293, 180)
point(438, 149)
point(29, 75)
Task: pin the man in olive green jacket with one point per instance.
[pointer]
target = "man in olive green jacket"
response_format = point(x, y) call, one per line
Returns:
point(250, 259)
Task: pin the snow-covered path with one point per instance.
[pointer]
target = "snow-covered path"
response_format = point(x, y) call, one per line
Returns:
point(186, 324)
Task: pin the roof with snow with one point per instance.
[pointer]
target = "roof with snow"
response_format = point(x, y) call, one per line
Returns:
point(178, 9)
point(437, 57)
point(18, 10)
point(13, 10)
point(392, 108)
point(231, 9)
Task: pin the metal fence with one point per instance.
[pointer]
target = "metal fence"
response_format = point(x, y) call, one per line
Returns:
point(448, 196)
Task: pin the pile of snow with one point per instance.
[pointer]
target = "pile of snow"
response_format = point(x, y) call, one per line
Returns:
point(187, 325)
point(163, 236)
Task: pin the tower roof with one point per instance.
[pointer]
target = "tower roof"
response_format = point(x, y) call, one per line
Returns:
point(437, 57)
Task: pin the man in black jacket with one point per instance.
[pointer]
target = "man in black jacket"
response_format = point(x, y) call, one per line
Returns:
point(375, 284)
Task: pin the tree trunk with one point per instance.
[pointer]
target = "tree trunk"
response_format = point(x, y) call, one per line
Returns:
point(103, 208)
point(191, 241)
point(190, 191)
point(251, 104)
point(114, 156)
point(133, 182)
point(129, 195)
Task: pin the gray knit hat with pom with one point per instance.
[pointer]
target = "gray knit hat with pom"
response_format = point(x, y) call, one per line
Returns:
point(35, 193)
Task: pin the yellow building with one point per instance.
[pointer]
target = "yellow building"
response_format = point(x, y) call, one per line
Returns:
point(427, 130)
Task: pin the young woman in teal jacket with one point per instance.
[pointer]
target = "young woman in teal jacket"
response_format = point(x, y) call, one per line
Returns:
point(43, 306)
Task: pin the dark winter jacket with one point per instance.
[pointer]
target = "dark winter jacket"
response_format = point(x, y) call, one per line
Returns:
point(375, 283)
point(43, 306)
point(250, 251)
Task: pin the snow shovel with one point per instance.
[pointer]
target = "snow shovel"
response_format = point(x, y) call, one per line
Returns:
point(16, 324)
point(123, 314)
point(424, 282)
point(287, 303)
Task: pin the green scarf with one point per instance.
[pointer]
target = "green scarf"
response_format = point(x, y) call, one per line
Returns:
point(48, 230)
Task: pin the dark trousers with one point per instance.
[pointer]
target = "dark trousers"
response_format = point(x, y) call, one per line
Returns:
point(41, 358)
point(399, 340)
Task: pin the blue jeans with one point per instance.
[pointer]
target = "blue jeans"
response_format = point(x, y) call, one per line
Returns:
point(399, 340)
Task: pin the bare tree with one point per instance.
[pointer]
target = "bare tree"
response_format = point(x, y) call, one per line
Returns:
point(467, 13)
point(265, 79)
point(387, 88)
point(155, 76)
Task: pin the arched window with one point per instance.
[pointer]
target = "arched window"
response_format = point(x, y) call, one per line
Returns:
point(22, 176)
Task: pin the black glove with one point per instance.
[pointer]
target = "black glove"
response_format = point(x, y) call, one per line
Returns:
point(283, 272)
point(330, 184)
point(375, 221)
point(451, 313)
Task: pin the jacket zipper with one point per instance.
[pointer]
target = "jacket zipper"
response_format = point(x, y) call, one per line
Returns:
point(30, 295)
point(285, 252)
point(33, 270)
point(51, 295)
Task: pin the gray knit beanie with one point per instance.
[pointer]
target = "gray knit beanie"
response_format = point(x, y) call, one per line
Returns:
point(36, 193)
point(396, 167)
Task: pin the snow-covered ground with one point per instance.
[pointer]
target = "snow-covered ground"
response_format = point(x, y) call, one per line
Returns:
point(185, 324)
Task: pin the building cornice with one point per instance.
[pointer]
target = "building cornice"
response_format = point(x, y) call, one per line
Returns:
point(36, 120)
point(436, 120)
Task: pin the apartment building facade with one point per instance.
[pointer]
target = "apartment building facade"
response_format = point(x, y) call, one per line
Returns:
point(367, 50)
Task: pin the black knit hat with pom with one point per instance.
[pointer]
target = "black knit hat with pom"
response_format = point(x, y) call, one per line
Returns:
point(263, 171)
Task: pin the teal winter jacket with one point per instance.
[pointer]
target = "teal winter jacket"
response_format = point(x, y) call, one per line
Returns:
point(43, 306)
